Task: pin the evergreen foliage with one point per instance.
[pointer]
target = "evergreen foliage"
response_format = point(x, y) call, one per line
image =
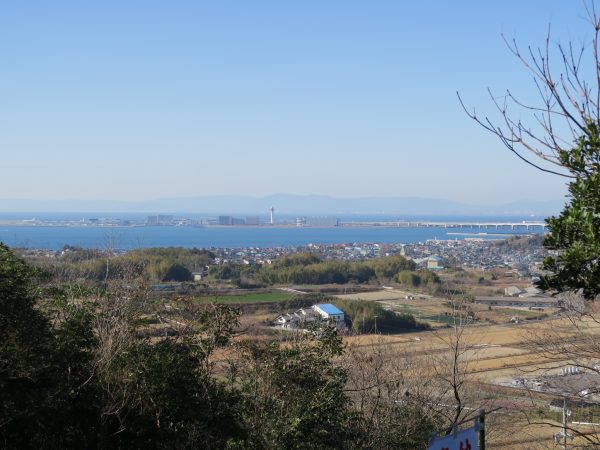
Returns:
point(575, 233)
point(308, 269)
point(387, 268)
point(154, 264)
point(416, 278)
point(43, 369)
point(294, 396)
point(84, 379)
point(178, 272)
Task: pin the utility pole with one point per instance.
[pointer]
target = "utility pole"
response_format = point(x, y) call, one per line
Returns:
point(561, 437)
point(480, 421)
point(564, 430)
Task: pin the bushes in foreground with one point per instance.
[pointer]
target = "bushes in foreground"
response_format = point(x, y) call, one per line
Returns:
point(86, 380)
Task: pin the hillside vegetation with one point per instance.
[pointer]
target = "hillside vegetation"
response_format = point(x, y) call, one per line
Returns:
point(305, 268)
point(77, 372)
point(157, 265)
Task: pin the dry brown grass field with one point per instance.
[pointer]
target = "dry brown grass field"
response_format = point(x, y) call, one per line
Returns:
point(494, 354)
point(433, 309)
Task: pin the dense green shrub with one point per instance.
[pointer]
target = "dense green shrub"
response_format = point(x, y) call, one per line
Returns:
point(86, 380)
point(416, 279)
point(153, 264)
point(308, 269)
point(178, 272)
point(387, 268)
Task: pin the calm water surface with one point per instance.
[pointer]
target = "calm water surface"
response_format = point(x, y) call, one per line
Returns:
point(125, 238)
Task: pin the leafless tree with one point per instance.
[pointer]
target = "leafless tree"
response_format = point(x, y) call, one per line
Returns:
point(433, 375)
point(119, 302)
point(389, 390)
point(567, 79)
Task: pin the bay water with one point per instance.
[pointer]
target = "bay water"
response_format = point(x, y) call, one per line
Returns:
point(125, 238)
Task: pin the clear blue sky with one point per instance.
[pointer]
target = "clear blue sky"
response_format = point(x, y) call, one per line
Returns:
point(138, 100)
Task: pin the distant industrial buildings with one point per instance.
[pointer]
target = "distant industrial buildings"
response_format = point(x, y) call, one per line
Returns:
point(249, 220)
point(225, 220)
point(317, 221)
point(236, 221)
point(309, 221)
point(160, 219)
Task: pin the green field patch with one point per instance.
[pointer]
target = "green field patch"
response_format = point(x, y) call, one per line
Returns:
point(257, 297)
point(518, 312)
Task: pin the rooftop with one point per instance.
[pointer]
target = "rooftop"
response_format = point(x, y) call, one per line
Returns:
point(329, 308)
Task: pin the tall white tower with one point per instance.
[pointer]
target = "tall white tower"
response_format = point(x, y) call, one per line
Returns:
point(272, 210)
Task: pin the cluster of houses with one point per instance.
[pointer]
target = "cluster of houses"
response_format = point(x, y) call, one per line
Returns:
point(266, 255)
point(306, 318)
point(481, 253)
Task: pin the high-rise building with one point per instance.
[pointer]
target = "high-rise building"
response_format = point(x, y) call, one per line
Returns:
point(225, 220)
point(272, 219)
point(164, 219)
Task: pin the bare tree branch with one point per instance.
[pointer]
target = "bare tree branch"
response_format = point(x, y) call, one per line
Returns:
point(568, 102)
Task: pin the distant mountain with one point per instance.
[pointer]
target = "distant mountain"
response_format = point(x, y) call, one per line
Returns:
point(289, 204)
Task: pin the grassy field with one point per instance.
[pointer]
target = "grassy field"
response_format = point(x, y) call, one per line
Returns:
point(258, 297)
point(518, 312)
point(494, 353)
point(423, 307)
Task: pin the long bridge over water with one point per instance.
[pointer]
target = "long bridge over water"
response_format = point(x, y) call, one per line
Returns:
point(479, 225)
point(526, 225)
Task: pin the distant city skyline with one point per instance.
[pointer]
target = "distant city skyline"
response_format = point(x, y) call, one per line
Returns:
point(136, 101)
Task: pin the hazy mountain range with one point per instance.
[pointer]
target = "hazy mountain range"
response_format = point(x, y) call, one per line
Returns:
point(288, 204)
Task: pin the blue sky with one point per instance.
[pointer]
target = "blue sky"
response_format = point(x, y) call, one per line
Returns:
point(137, 100)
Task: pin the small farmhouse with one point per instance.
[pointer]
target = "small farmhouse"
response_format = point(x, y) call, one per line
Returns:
point(302, 318)
point(305, 318)
point(329, 312)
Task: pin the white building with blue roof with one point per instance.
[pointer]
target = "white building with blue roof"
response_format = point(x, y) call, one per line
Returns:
point(330, 312)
